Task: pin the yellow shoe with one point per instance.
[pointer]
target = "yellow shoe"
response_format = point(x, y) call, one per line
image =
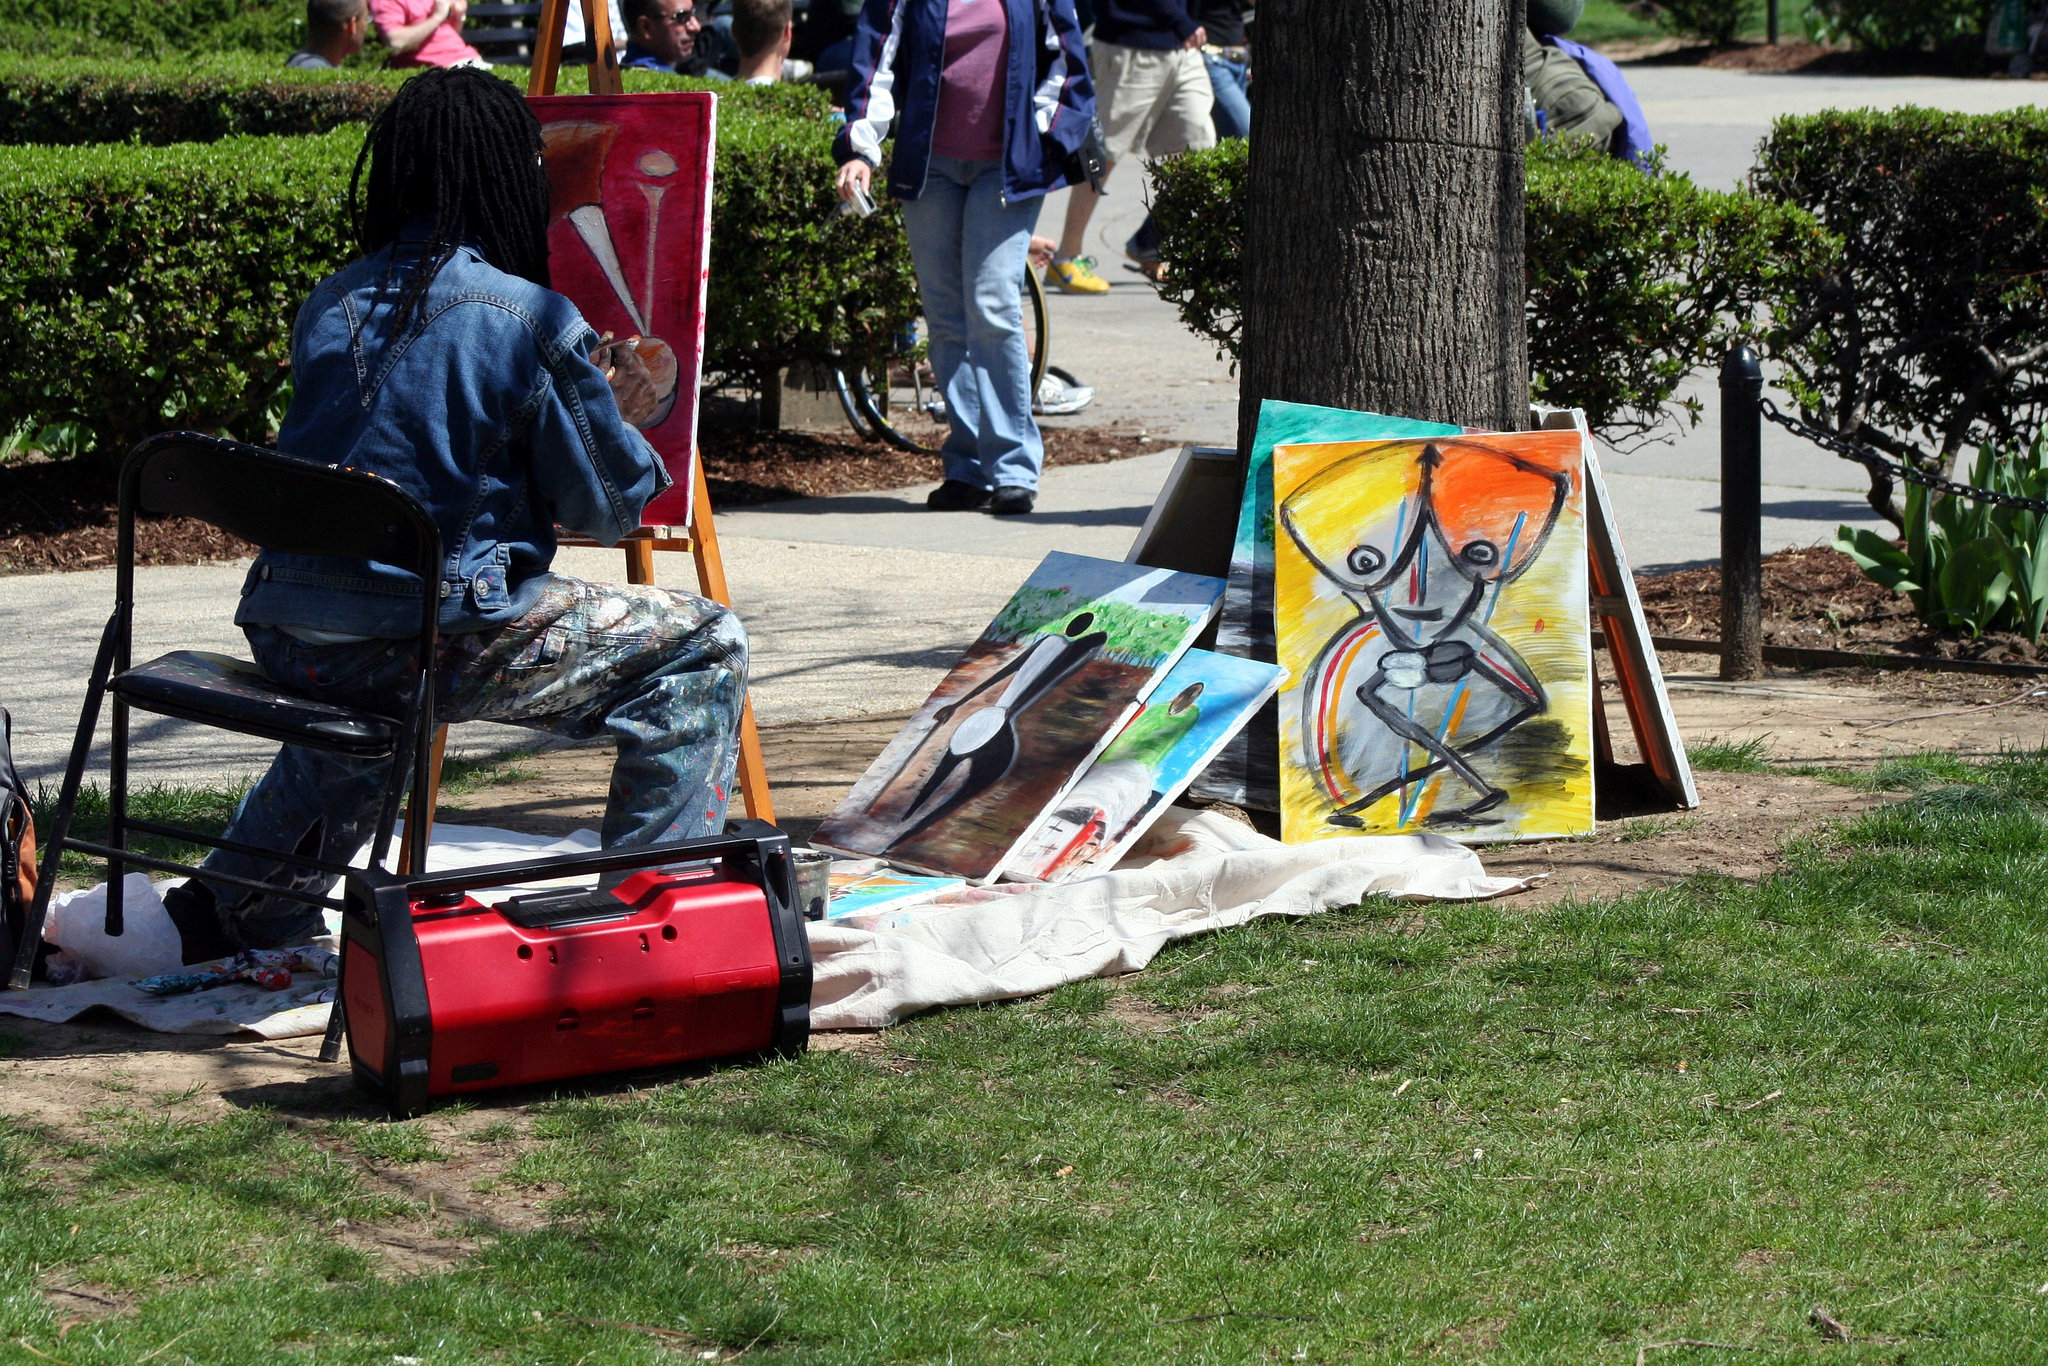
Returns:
point(1076, 276)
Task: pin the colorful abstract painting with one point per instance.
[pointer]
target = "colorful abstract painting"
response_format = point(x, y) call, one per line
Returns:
point(1431, 612)
point(629, 242)
point(1054, 677)
point(1194, 711)
point(1247, 772)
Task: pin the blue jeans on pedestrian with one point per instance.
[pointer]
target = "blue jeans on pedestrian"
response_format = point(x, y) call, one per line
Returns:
point(664, 673)
point(1232, 111)
point(969, 247)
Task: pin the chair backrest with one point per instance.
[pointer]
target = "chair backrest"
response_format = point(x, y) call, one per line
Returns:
point(281, 503)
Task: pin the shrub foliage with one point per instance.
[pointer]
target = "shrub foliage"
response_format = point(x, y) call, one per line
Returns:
point(1899, 25)
point(1929, 332)
point(151, 27)
point(1713, 21)
point(1635, 280)
point(144, 286)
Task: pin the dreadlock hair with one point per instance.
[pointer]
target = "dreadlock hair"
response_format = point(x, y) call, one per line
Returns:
point(458, 152)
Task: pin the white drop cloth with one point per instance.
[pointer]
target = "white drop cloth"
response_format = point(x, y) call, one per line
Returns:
point(1193, 872)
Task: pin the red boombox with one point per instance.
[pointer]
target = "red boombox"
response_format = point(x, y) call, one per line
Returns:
point(700, 953)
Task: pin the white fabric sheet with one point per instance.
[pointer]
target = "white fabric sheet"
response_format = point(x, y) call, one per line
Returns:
point(1193, 872)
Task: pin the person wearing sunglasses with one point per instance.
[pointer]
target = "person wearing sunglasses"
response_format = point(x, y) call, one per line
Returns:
point(672, 35)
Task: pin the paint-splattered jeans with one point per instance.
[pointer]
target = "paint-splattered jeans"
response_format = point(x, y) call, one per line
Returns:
point(664, 672)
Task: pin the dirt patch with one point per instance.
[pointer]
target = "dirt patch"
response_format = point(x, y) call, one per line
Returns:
point(60, 514)
point(1816, 59)
point(1135, 1012)
point(1742, 821)
point(1819, 599)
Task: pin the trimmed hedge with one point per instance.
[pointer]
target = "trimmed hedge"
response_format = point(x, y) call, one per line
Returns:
point(143, 287)
point(101, 28)
point(1635, 281)
point(1931, 329)
point(78, 101)
point(150, 287)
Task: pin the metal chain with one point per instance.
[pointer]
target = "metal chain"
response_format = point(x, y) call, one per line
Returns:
point(1892, 469)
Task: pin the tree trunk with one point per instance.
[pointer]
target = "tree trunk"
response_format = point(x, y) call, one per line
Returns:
point(1383, 260)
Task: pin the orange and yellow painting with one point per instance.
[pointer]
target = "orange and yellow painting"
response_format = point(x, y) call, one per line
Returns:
point(1431, 613)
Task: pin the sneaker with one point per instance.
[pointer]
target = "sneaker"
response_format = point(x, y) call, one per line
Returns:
point(1059, 394)
point(1012, 501)
point(955, 496)
point(1076, 276)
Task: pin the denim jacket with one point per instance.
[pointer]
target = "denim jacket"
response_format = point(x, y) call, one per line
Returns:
point(487, 410)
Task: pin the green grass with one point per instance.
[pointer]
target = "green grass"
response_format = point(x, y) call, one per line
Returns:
point(206, 809)
point(1498, 1131)
point(1614, 21)
point(1718, 754)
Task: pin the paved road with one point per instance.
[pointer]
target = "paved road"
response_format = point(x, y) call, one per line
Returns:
point(856, 604)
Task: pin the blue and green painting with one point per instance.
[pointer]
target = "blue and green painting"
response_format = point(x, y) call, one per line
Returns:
point(1191, 715)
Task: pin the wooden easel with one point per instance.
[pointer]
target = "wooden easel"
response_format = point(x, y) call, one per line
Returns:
point(699, 538)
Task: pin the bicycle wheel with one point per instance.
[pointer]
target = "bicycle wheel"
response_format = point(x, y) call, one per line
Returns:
point(898, 407)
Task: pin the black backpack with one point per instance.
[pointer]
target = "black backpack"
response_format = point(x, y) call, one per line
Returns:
point(17, 848)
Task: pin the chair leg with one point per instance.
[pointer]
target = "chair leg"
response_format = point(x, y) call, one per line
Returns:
point(117, 817)
point(67, 798)
point(337, 1026)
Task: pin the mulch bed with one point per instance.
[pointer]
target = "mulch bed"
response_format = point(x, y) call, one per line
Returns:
point(60, 515)
point(1817, 599)
point(1817, 59)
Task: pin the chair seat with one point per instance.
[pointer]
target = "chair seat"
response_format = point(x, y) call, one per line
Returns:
point(233, 694)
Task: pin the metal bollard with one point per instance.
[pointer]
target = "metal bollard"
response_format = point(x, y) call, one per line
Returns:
point(1742, 572)
point(1771, 22)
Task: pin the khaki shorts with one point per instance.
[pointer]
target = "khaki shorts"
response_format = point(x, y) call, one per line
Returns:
point(1154, 103)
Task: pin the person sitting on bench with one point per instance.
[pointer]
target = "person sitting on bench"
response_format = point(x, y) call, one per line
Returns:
point(440, 359)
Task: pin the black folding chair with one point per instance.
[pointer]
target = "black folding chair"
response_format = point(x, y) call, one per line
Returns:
point(294, 507)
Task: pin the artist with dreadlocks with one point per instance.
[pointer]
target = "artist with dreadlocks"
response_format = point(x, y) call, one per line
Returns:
point(441, 359)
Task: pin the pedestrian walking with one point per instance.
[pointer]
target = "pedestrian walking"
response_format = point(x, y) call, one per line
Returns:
point(1152, 84)
point(990, 100)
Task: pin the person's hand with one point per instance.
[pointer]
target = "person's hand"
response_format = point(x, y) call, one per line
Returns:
point(1041, 251)
point(856, 174)
point(458, 10)
point(1199, 38)
point(632, 383)
point(441, 11)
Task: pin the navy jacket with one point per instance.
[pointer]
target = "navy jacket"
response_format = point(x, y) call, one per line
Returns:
point(1158, 25)
point(487, 410)
point(899, 49)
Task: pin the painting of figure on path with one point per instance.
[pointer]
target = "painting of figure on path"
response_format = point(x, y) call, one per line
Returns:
point(1048, 684)
point(1431, 611)
point(1247, 772)
point(629, 242)
point(1187, 719)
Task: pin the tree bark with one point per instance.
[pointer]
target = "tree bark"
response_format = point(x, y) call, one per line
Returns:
point(1383, 253)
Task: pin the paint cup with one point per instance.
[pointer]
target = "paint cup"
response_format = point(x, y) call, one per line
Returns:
point(813, 882)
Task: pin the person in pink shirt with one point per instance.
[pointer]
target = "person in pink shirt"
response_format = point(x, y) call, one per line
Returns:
point(425, 32)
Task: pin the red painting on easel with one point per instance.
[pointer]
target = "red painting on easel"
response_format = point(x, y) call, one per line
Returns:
point(629, 242)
